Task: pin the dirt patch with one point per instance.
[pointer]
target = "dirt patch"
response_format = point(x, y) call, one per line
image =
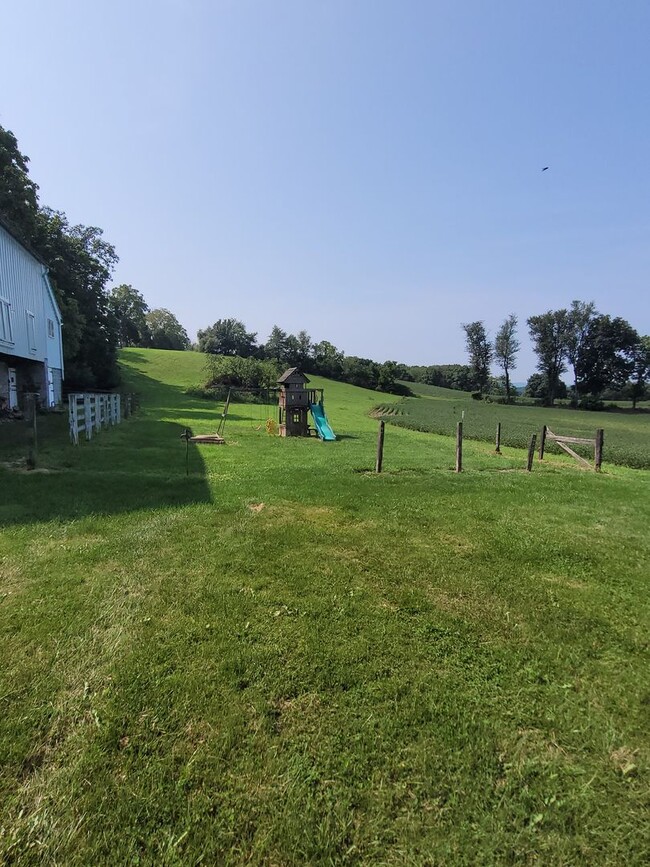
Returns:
point(447, 541)
point(301, 713)
point(22, 467)
point(256, 507)
point(625, 761)
point(563, 581)
point(297, 513)
point(467, 605)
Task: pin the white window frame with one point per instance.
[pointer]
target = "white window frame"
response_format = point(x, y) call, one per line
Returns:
point(50, 328)
point(6, 331)
point(31, 330)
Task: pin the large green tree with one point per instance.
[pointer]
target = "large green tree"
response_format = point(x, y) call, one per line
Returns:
point(581, 314)
point(360, 371)
point(480, 353)
point(607, 355)
point(18, 193)
point(303, 349)
point(327, 359)
point(275, 348)
point(506, 347)
point(80, 264)
point(227, 337)
point(537, 387)
point(637, 387)
point(297, 350)
point(130, 310)
point(548, 333)
point(165, 331)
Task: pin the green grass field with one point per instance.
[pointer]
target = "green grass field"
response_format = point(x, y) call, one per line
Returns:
point(285, 659)
point(436, 410)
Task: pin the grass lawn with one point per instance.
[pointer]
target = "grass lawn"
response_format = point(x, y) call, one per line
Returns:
point(284, 659)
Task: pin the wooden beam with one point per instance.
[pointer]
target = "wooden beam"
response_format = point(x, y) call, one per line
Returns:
point(531, 452)
point(542, 442)
point(380, 448)
point(577, 440)
point(573, 454)
point(598, 451)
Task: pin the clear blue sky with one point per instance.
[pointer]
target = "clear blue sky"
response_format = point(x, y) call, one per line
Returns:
point(367, 170)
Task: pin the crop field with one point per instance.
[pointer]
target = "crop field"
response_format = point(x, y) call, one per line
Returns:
point(437, 410)
point(272, 655)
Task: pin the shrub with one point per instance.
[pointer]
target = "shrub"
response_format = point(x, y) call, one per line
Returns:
point(232, 371)
point(591, 402)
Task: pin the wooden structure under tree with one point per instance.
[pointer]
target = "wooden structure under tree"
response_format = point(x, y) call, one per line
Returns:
point(294, 403)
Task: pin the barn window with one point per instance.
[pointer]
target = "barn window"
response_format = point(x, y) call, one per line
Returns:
point(50, 328)
point(31, 330)
point(6, 334)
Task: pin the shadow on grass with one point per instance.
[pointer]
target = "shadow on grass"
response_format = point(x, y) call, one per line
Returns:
point(139, 464)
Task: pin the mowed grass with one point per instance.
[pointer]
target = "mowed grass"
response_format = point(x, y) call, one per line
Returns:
point(437, 410)
point(282, 658)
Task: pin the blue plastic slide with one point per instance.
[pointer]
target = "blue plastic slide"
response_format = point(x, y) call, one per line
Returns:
point(325, 432)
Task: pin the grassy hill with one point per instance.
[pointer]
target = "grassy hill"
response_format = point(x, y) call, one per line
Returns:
point(283, 658)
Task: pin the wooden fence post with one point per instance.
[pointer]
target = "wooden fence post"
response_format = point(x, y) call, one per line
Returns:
point(531, 452)
point(498, 446)
point(459, 447)
point(380, 448)
point(542, 443)
point(598, 450)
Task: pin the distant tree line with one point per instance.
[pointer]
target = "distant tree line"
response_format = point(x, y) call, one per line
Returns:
point(606, 356)
point(80, 264)
point(229, 337)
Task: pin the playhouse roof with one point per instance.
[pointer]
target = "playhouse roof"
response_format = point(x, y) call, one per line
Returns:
point(293, 375)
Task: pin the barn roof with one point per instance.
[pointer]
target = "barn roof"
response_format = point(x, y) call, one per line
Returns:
point(293, 375)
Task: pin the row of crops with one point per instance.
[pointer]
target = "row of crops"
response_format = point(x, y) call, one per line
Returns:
point(627, 435)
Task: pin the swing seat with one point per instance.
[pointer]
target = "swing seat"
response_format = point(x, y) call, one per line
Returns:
point(206, 439)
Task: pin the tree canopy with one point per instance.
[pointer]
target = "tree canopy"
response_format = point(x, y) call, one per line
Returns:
point(227, 337)
point(607, 356)
point(506, 347)
point(130, 311)
point(548, 333)
point(480, 353)
point(165, 331)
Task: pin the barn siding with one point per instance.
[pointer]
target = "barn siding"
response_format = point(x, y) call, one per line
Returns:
point(24, 285)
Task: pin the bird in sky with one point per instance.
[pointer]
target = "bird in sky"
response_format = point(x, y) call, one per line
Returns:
point(545, 169)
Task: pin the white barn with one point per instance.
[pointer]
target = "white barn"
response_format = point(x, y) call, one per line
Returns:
point(31, 349)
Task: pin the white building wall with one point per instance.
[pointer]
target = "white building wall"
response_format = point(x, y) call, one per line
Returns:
point(27, 302)
point(23, 286)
